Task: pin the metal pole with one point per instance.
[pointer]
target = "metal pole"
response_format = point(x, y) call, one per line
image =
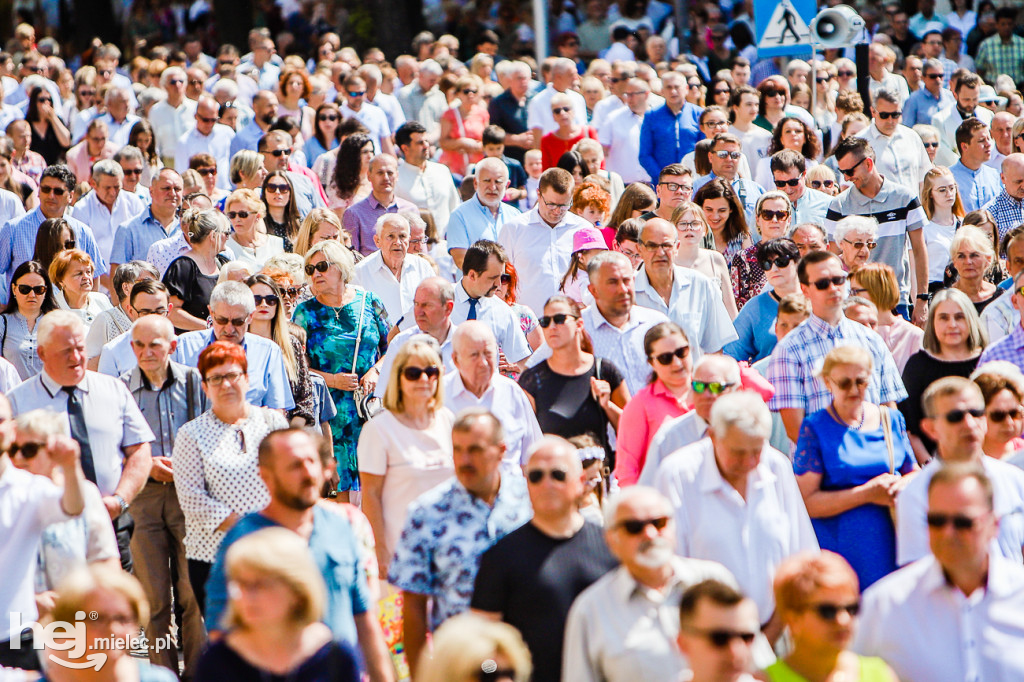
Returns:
point(540, 31)
point(679, 16)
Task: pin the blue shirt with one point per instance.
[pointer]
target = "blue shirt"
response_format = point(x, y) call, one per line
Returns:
point(472, 221)
point(977, 188)
point(665, 138)
point(246, 138)
point(117, 356)
point(18, 244)
point(336, 553)
point(755, 326)
point(446, 532)
point(1008, 212)
point(133, 238)
point(922, 105)
point(268, 379)
point(811, 207)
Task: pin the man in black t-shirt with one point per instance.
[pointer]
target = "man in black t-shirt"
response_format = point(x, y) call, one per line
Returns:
point(530, 577)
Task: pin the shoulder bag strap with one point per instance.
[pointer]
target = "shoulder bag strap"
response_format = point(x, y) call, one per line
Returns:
point(887, 432)
point(3, 339)
point(189, 398)
point(359, 331)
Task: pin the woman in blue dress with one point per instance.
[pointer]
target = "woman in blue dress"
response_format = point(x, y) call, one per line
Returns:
point(852, 459)
point(346, 333)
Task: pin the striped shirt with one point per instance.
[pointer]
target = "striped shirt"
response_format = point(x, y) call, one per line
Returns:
point(898, 212)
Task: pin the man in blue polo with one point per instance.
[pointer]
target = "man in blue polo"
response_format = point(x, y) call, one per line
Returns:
point(483, 216)
point(670, 132)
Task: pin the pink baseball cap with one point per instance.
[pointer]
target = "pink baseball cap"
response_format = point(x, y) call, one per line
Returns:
point(587, 238)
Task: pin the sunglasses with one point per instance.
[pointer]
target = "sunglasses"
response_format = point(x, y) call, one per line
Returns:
point(25, 289)
point(356, 94)
point(269, 299)
point(822, 81)
point(860, 245)
point(845, 74)
point(792, 182)
point(666, 358)
point(774, 93)
point(28, 450)
point(931, 145)
point(822, 284)
point(414, 373)
point(505, 279)
point(774, 215)
point(934, 76)
point(559, 318)
point(818, 184)
point(1003, 415)
point(218, 379)
point(720, 639)
point(694, 86)
point(206, 171)
point(56, 191)
point(280, 152)
point(723, 92)
point(779, 262)
point(957, 416)
point(238, 214)
point(175, 81)
point(292, 292)
point(225, 321)
point(938, 521)
point(831, 611)
point(133, 171)
point(278, 189)
point(722, 154)
point(884, 115)
point(846, 383)
point(470, 91)
point(535, 476)
point(637, 526)
point(848, 172)
point(321, 267)
point(560, 110)
point(712, 387)
point(327, 117)
point(206, 119)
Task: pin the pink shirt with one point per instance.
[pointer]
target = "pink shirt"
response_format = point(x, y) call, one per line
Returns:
point(903, 339)
point(80, 161)
point(640, 420)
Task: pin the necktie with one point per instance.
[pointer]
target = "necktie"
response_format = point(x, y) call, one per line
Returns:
point(76, 415)
point(472, 308)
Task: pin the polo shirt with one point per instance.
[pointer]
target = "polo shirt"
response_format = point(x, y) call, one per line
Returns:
point(473, 221)
point(811, 207)
point(977, 187)
point(361, 217)
point(134, 237)
point(922, 106)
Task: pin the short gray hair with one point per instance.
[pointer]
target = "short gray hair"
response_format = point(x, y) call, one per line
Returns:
point(234, 294)
point(226, 86)
point(413, 216)
point(151, 96)
point(604, 257)
point(432, 67)
point(58, 319)
point(728, 366)
point(171, 71)
point(886, 95)
point(115, 92)
point(390, 219)
point(128, 153)
point(933, 64)
point(856, 223)
point(43, 423)
point(107, 168)
point(129, 273)
point(743, 410)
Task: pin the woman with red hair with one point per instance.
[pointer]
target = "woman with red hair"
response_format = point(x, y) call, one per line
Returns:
point(506, 291)
point(215, 469)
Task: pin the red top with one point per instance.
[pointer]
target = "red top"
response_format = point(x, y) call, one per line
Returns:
point(552, 147)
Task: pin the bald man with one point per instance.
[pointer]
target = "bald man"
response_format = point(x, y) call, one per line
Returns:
point(1002, 137)
point(530, 577)
point(477, 383)
point(1007, 208)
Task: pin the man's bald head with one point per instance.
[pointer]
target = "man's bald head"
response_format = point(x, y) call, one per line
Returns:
point(155, 326)
point(656, 223)
point(472, 333)
point(556, 450)
point(439, 287)
point(1013, 175)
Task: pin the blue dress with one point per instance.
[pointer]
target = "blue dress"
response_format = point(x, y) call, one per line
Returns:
point(847, 457)
point(330, 344)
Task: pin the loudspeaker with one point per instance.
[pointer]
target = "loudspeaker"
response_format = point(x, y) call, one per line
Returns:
point(837, 26)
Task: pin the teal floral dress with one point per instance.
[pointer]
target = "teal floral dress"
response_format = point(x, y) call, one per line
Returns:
point(330, 344)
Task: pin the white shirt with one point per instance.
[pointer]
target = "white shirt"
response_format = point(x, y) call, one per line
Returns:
point(497, 315)
point(506, 401)
point(673, 435)
point(621, 135)
point(162, 253)
point(605, 108)
point(900, 157)
point(538, 111)
point(119, 132)
point(695, 304)
point(890, 81)
point(929, 631)
point(623, 347)
point(396, 344)
point(540, 253)
point(103, 221)
point(754, 143)
point(391, 107)
point(374, 275)
point(170, 123)
point(1008, 499)
point(217, 143)
point(374, 119)
point(432, 189)
point(750, 537)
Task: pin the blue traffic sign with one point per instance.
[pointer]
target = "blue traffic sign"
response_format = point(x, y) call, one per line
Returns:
point(783, 27)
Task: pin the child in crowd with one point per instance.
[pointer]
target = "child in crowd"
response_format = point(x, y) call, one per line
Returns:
point(493, 139)
point(533, 164)
point(586, 243)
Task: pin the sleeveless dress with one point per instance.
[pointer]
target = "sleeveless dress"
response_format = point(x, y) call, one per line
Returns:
point(872, 669)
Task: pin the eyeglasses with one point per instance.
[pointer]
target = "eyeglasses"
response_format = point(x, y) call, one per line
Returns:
point(676, 187)
point(206, 171)
point(327, 117)
point(884, 115)
point(132, 171)
point(957, 416)
point(206, 119)
point(280, 152)
point(1003, 415)
point(637, 526)
point(846, 383)
point(792, 182)
point(218, 379)
point(195, 81)
point(292, 292)
point(146, 311)
point(720, 639)
point(848, 172)
point(774, 215)
point(414, 373)
point(931, 145)
point(933, 76)
point(690, 225)
point(553, 206)
point(716, 124)
point(860, 245)
point(238, 214)
point(356, 94)
point(25, 289)
point(722, 154)
point(712, 387)
point(667, 246)
point(320, 267)
point(824, 282)
point(278, 189)
point(56, 191)
point(774, 93)
point(830, 612)
point(269, 299)
point(845, 74)
point(225, 321)
point(779, 262)
point(818, 184)
point(27, 451)
point(666, 358)
point(560, 110)
point(535, 476)
point(558, 318)
point(959, 521)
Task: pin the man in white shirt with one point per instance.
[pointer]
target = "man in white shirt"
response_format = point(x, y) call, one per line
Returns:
point(620, 134)
point(966, 92)
point(118, 118)
point(539, 242)
point(623, 627)
point(955, 419)
point(879, 75)
point(207, 136)
point(477, 384)
point(899, 153)
point(622, 73)
point(690, 299)
point(390, 272)
point(736, 501)
point(754, 140)
point(174, 116)
point(106, 207)
point(539, 117)
point(374, 118)
point(955, 614)
point(373, 77)
point(28, 504)
point(426, 183)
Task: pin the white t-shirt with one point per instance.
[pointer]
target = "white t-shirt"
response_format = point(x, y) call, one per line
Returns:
point(937, 240)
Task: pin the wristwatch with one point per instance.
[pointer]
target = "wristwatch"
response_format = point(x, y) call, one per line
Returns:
point(924, 297)
point(120, 501)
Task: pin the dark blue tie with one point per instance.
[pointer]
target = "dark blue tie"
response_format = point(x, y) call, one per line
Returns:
point(472, 308)
point(76, 415)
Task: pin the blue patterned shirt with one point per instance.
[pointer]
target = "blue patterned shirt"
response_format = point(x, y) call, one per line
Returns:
point(799, 355)
point(1009, 348)
point(446, 532)
point(1008, 212)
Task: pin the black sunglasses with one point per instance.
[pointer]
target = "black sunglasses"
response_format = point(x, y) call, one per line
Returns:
point(848, 172)
point(558, 318)
point(327, 117)
point(937, 520)
point(845, 74)
point(269, 299)
point(889, 114)
point(25, 290)
point(132, 171)
point(561, 110)
point(535, 476)
point(722, 638)
point(846, 383)
point(831, 611)
point(957, 416)
point(506, 279)
point(666, 358)
point(322, 266)
point(414, 373)
point(815, 184)
point(774, 93)
point(933, 145)
point(237, 214)
point(779, 262)
point(57, 191)
point(822, 284)
point(637, 526)
point(28, 450)
point(774, 215)
point(792, 182)
point(206, 171)
point(280, 152)
point(278, 189)
point(1003, 415)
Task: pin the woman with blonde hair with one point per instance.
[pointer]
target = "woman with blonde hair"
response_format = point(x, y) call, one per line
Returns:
point(470, 648)
point(406, 449)
point(972, 256)
point(273, 622)
point(940, 199)
point(319, 224)
point(72, 273)
point(249, 243)
point(693, 229)
point(462, 127)
point(248, 170)
point(877, 283)
point(191, 277)
point(823, 179)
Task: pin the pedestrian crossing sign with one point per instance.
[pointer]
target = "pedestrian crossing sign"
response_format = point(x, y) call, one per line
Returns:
point(783, 28)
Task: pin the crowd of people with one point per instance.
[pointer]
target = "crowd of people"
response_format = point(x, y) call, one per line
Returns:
point(640, 363)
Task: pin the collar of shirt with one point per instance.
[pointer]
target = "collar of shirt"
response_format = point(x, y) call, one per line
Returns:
point(680, 281)
point(997, 583)
point(462, 296)
point(711, 479)
point(383, 267)
point(213, 337)
point(1005, 196)
point(139, 381)
point(374, 203)
point(563, 224)
point(600, 321)
point(659, 389)
point(458, 388)
point(53, 388)
point(959, 166)
point(823, 328)
point(626, 587)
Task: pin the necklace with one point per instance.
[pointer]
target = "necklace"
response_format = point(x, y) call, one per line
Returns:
point(863, 415)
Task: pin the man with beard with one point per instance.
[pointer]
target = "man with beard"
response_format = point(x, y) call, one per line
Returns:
point(624, 626)
point(289, 463)
point(264, 106)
